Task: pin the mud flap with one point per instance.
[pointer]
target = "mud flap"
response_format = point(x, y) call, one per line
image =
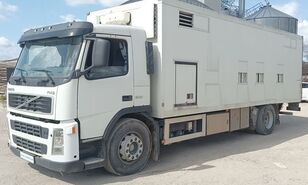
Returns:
point(293, 107)
point(156, 143)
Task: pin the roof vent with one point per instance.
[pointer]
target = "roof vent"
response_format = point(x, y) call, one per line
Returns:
point(186, 19)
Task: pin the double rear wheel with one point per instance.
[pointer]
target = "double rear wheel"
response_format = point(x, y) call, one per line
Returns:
point(266, 120)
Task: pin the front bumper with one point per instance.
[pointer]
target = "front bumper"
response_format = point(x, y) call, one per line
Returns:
point(29, 140)
point(23, 144)
point(66, 167)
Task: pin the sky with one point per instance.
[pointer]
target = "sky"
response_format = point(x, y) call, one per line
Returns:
point(17, 16)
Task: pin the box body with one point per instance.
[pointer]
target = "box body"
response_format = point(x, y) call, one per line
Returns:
point(213, 62)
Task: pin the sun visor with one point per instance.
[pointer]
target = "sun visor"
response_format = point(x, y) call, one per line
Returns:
point(70, 29)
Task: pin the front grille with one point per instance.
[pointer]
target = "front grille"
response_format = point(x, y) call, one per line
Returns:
point(31, 103)
point(30, 129)
point(30, 145)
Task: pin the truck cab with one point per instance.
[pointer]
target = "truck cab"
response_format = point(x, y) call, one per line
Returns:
point(70, 82)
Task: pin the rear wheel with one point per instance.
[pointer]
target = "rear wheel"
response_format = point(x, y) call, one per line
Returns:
point(266, 120)
point(129, 147)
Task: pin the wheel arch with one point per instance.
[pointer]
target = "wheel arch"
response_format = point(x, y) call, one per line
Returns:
point(141, 113)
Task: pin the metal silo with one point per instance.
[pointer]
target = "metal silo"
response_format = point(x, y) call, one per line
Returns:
point(271, 17)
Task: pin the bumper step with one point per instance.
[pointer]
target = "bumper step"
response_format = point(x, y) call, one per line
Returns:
point(92, 163)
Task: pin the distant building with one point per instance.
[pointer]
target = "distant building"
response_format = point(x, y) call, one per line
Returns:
point(305, 64)
point(306, 56)
point(6, 68)
point(305, 71)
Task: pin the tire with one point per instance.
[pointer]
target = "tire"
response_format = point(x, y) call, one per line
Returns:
point(129, 147)
point(266, 121)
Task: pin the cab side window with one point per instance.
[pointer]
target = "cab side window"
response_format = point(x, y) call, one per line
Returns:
point(116, 64)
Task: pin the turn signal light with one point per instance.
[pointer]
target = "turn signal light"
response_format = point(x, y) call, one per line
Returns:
point(74, 130)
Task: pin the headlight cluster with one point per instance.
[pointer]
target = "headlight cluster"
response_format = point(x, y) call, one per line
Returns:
point(58, 142)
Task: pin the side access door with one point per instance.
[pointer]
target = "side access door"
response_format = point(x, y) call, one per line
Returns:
point(107, 84)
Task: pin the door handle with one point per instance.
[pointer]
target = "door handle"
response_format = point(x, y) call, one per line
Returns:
point(127, 98)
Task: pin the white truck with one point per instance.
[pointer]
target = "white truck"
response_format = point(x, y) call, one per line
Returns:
point(110, 91)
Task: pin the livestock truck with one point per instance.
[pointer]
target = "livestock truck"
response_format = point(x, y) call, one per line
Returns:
point(110, 91)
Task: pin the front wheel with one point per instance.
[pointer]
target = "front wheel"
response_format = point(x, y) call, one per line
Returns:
point(266, 120)
point(129, 147)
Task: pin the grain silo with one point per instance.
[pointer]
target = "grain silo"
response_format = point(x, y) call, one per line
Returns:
point(271, 17)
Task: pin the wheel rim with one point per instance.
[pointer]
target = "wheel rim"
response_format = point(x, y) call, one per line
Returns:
point(268, 119)
point(130, 148)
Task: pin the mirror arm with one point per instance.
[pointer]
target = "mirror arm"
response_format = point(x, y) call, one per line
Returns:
point(78, 73)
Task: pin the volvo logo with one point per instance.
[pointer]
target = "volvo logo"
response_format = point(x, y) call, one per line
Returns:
point(27, 101)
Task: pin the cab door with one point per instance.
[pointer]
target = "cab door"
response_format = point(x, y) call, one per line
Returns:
point(105, 90)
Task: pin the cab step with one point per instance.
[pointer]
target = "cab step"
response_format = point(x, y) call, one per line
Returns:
point(93, 162)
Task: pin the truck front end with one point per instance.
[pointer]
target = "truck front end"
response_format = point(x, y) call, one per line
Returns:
point(42, 97)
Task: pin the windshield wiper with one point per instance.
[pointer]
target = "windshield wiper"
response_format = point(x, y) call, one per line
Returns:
point(47, 74)
point(23, 78)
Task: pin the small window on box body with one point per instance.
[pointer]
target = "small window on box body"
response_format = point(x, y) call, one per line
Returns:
point(242, 78)
point(260, 77)
point(280, 78)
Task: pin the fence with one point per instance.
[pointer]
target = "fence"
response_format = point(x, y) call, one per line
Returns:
point(5, 71)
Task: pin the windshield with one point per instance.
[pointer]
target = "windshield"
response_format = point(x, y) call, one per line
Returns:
point(47, 62)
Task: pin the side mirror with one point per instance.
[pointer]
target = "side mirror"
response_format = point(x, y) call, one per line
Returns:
point(100, 53)
point(150, 57)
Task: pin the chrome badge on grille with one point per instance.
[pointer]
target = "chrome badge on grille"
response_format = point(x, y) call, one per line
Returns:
point(30, 103)
point(27, 102)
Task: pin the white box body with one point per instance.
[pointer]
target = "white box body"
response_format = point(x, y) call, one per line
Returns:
point(221, 47)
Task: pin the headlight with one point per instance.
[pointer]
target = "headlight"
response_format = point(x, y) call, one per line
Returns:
point(58, 142)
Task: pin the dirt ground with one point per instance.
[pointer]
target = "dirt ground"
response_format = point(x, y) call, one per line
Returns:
point(232, 159)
